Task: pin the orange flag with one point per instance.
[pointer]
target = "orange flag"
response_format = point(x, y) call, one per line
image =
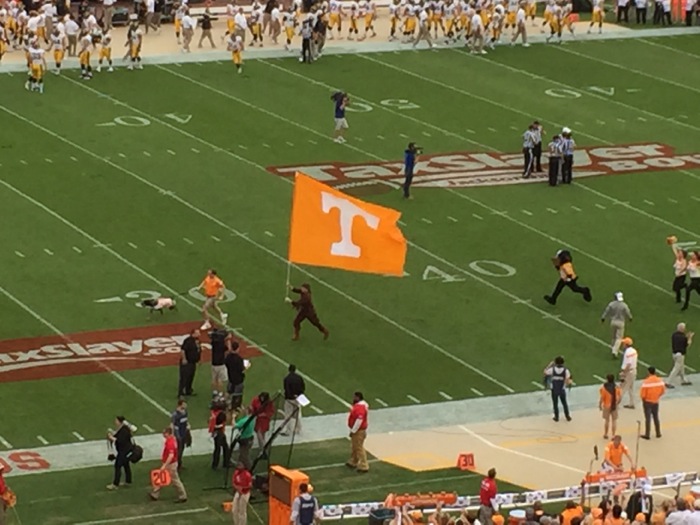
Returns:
point(332, 229)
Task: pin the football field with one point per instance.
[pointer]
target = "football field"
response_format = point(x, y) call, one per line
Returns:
point(132, 185)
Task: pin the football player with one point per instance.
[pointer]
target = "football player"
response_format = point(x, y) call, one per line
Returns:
point(234, 44)
point(105, 52)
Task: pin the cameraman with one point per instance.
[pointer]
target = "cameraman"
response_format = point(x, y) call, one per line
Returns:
point(122, 441)
point(409, 162)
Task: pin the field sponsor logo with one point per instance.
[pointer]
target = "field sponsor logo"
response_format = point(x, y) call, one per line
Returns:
point(463, 170)
point(95, 352)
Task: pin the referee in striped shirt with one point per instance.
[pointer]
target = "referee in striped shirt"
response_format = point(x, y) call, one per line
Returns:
point(568, 146)
point(529, 140)
point(538, 131)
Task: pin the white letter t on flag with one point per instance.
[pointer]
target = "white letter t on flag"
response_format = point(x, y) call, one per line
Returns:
point(348, 211)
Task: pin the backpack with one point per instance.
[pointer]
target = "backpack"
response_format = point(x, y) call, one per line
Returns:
point(136, 453)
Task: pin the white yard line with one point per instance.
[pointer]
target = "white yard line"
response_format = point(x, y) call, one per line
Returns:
point(446, 396)
point(5, 443)
point(160, 243)
point(143, 517)
point(413, 398)
point(147, 428)
point(669, 48)
point(316, 409)
point(599, 378)
point(42, 440)
point(132, 245)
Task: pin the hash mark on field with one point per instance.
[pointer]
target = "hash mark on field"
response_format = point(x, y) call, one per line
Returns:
point(538, 385)
point(23, 162)
point(426, 134)
point(600, 206)
point(578, 123)
point(78, 250)
point(684, 117)
point(242, 146)
point(359, 139)
point(575, 208)
point(621, 120)
point(171, 151)
point(477, 392)
point(133, 245)
point(48, 252)
point(648, 202)
point(188, 241)
point(5, 443)
point(160, 243)
point(402, 223)
point(269, 234)
point(215, 238)
point(493, 130)
point(78, 436)
point(477, 216)
point(514, 128)
point(599, 378)
point(194, 150)
point(550, 210)
point(674, 201)
point(470, 131)
point(642, 119)
point(49, 161)
point(403, 135)
point(381, 402)
point(122, 155)
point(380, 137)
point(290, 143)
point(452, 219)
point(427, 221)
point(313, 141)
point(73, 159)
point(316, 409)
point(446, 396)
point(42, 440)
point(147, 154)
point(695, 198)
point(600, 122)
point(414, 399)
point(527, 212)
point(265, 145)
point(19, 254)
point(149, 429)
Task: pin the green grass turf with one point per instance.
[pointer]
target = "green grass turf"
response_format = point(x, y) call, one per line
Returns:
point(427, 336)
point(80, 495)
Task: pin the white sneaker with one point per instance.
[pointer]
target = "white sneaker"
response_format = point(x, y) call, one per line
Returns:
point(224, 318)
point(110, 70)
point(99, 69)
point(205, 326)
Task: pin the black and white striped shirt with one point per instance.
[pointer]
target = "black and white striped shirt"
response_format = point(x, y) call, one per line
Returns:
point(568, 146)
point(528, 139)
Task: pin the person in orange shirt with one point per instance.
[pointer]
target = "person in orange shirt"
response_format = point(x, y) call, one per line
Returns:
point(653, 388)
point(572, 510)
point(610, 396)
point(614, 452)
point(214, 289)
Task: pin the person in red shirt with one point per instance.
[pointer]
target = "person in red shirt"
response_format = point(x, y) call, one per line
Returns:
point(242, 483)
point(265, 411)
point(357, 423)
point(3, 492)
point(169, 459)
point(487, 498)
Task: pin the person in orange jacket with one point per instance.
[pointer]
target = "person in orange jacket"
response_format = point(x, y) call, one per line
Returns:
point(653, 388)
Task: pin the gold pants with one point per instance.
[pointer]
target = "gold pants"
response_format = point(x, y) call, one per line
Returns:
point(358, 457)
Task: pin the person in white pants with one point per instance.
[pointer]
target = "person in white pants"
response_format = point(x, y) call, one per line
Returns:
point(628, 371)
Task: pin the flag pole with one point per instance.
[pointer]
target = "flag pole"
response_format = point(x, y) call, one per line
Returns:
point(289, 275)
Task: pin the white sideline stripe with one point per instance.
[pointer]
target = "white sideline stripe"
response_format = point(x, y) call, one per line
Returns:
point(78, 436)
point(477, 392)
point(5, 443)
point(518, 453)
point(384, 404)
point(601, 379)
point(236, 232)
point(138, 268)
point(414, 399)
point(49, 325)
point(670, 48)
point(538, 385)
point(446, 396)
point(145, 516)
point(42, 440)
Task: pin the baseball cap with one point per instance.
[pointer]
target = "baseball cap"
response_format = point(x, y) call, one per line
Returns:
point(619, 296)
point(627, 341)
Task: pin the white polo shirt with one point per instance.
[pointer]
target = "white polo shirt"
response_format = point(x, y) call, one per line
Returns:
point(241, 21)
point(150, 6)
point(629, 358)
point(477, 25)
point(520, 17)
point(188, 22)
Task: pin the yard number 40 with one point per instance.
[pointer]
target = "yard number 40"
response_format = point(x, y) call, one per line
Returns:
point(134, 121)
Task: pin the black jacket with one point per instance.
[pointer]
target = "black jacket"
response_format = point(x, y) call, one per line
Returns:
point(294, 385)
point(123, 440)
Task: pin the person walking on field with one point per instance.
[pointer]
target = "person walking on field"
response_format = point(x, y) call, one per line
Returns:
point(617, 312)
point(628, 371)
point(357, 422)
point(652, 390)
point(680, 341)
point(560, 379)
point(294, 386)
point(214, 289)
point(169, 459)
point(242, 482)
point(305, 311)
point(610, 397)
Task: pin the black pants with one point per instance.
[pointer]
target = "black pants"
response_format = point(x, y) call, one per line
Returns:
point(567, 169)
point(623, 13)
point(528, 160)
point(187, 372)
point(658, 12)
point(678, 286)
point(537, 153)
point(122, 462)
point(573, 286)
point(408, 179)
point(641, 15)
point(556, 398)
point(306, 50)
point(651, 410)
point(220, 448)
point(554, 167)
point(180, 451)
point(666, 18)
point(694, 285)
point(689, 18)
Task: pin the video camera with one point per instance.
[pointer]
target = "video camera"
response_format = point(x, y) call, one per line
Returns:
point(413, 147)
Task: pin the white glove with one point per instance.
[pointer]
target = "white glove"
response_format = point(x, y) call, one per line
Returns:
point(287, 300)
